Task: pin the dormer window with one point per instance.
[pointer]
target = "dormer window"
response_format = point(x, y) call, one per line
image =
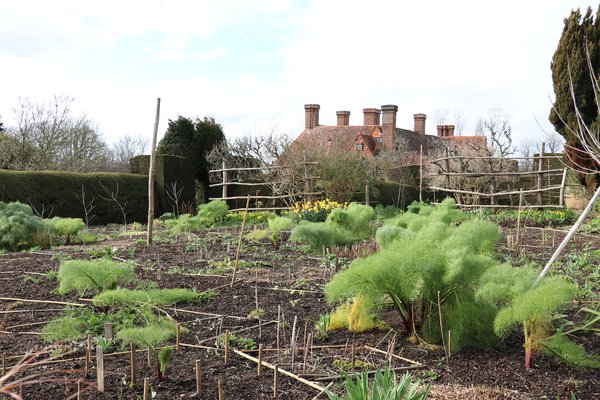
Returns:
point(358, 146)
point(378, 140)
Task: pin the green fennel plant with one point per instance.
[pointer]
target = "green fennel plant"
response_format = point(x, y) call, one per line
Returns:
point(95, 275)
point(385, 386)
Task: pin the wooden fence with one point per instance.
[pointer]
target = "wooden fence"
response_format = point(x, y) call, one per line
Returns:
point(280, 198)
point(539, 186)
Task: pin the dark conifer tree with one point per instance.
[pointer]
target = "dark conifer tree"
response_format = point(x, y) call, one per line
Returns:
point(193, 140)
point(570, 65)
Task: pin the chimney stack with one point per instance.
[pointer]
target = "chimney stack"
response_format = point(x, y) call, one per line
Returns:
point(389, 112)
point(343, 118)
point(311, 115)
point(371, 116)
point(420, 123)
point(445, 130)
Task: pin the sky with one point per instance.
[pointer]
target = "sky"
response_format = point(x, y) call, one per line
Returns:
point(252, 65)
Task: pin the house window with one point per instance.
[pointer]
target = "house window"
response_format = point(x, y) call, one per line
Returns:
point(358, 146)
point(378, 140)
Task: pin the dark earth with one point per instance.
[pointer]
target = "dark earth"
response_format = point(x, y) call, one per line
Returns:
point(289, 279)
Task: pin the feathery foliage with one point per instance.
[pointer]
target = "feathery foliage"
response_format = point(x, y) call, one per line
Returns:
point(213, 212)
point(164, 357)
point(65, 227)
point(151, 335)
point(155, 297)
point(356, 315)
point(385, 386)
point(18, 226)
point(424, 252)
point(342, 227)
point(96, 275)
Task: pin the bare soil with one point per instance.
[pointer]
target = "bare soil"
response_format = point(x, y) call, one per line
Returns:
point(287, 279)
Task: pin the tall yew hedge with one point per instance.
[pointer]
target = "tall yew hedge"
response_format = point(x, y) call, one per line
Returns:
point(56, 193)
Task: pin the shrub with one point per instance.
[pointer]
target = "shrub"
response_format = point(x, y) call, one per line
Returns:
point(65, 227)
point(212, 213)
point(155, 297)
point(342, 227)
point(18, 226)
point(421, 255)
point(96, 275)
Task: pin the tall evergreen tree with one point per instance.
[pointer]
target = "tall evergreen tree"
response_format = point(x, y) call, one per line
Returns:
point(193, 140)
point(570, 67)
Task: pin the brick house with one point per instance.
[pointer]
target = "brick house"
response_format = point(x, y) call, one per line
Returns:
point(377, 133)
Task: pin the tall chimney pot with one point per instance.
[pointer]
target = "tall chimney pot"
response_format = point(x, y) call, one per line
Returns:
point(420, 120)
point(311, 115)
point(371, 116)
point(388, 130)
point(343, 118)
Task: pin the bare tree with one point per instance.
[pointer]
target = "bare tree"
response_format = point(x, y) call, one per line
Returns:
point(554, 142)
point(496, 127)
point(459, 122)
point(125, 149)
point(440, 115)
point(527, 149)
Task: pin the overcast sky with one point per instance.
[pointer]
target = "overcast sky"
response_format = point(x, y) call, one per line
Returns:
point(254, 64)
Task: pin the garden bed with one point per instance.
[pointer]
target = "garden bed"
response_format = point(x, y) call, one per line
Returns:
point(287, 284)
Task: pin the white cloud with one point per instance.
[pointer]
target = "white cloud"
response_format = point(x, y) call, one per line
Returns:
point(213, 53)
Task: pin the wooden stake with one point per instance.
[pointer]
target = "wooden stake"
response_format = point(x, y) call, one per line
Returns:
point(177, 329)
point(133, 364)
point(449, 343)
point(3, 364)
point(278, 325)
point(108, 331)
point(220, 388)
point(260, 355)
point(100, 368)
point(257, 308)
point(275, 381)
point(151, 176)
point(239, 247)
point(146, 389)
point(198, 377)
point(79, 389)
point(441, 324)
point(309, 338)
point(226, 347)
point(353, 355)
point(149, 357)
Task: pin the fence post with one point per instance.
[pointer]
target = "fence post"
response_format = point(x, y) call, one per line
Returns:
point(540, 177)
point(224, 193)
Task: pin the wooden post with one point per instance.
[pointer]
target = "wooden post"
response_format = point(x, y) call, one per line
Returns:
point(275, 381)
point(133, 364)
point(3, 364)
point(421, 174)
point(79, 387)
point(177, 330)
point(260, 355)
point(224, 173)
point(146, 389)
point(198, 377)
point(239, 246)
point(100, 368)
point(226, 357)
point(447, 165)
point(108, 331)
point(220, 389)
point(561, 196)
point(540, 177)
point(151, 175)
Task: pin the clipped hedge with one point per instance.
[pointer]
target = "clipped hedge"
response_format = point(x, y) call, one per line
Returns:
point(169, 170)
point(56, 193)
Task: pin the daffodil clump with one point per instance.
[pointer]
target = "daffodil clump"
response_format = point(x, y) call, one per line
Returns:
point(315, 211)
point(536, 217)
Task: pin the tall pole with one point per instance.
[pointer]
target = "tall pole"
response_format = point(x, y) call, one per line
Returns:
point(151, 175)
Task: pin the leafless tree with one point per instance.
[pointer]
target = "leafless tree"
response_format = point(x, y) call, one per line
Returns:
point(125, 149)
point(459, 122)
point(440, 116)
point(496, 127)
